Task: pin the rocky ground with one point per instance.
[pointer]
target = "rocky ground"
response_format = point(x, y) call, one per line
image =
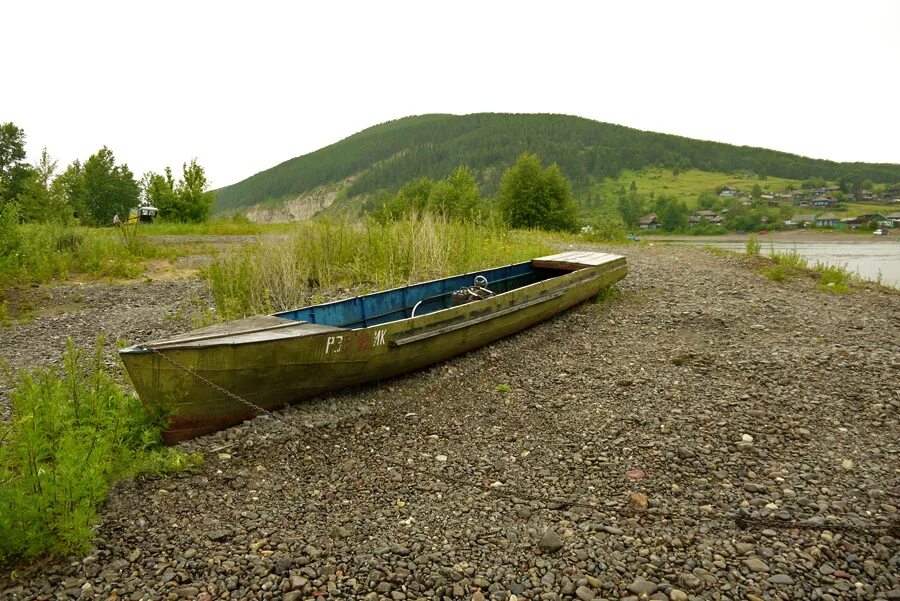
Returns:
point(634, 430)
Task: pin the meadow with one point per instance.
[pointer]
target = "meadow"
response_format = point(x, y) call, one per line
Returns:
point(687, 185)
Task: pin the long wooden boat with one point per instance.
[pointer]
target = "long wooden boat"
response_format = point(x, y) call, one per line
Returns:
point(216, 377)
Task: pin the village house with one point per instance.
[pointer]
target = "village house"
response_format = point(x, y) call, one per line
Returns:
point(728, 192)
point(827, 220)
point(649, 222)
point(705, 216)
point(799, 195)
point(894, 218)
point(801, 221)
point(874, 219)
point(824, 201)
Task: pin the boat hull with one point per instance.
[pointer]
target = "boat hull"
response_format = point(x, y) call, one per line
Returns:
point(273, 373)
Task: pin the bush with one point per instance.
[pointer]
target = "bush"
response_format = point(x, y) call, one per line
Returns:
point(74, 432)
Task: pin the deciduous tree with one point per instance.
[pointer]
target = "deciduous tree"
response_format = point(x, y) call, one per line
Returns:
point(159, 192)
point(455, 196)
point(70, 187)
point(14, 171)
point(38, 198)
point(188, 200)
point(631, 207)
point(109, 188)
point(534, 197)
point(673, 214)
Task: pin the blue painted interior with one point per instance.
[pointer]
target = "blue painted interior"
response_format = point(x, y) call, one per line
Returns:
point(391, 305)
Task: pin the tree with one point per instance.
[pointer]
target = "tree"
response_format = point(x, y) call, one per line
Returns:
point(756, 192)
point(631, 208)
point(159, 191)
point(70, 188)
point(708, 201)
point(14, 171)
point(39, 199)
point(673, 214)
point(412, 197)
point(109, 188)
point(533, 197)
point(194, 199)
point(455, 196)
point(186, 201)
point(32, 198)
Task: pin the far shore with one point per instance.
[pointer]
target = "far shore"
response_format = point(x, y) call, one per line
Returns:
point(788, 236)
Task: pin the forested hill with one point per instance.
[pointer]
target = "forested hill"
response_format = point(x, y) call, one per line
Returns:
point(388, 155)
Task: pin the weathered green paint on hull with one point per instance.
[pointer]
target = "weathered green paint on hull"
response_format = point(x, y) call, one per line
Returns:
point(273, 373)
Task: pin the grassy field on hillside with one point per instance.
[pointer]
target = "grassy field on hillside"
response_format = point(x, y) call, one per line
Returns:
point(689, 184)
point(861, 208)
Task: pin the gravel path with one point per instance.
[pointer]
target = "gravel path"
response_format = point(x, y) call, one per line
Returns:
point(633, 432)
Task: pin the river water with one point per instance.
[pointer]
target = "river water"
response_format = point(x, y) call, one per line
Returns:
point(870, 260)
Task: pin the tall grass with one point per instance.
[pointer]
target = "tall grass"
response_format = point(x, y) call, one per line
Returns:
point(73, 433)
point(284, 273)
point(35, 253)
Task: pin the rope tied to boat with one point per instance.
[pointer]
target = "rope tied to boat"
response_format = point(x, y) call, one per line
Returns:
point(212, 384)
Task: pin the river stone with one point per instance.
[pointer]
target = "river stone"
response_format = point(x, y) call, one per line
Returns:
point(550, 541)
point(754, 564)
point(642, 587)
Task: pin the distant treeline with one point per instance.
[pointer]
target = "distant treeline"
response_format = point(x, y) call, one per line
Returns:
point(388, 155)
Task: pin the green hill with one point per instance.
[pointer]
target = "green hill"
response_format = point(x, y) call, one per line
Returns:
point(386, 156)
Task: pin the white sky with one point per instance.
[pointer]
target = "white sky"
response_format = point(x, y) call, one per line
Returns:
point(244, 85)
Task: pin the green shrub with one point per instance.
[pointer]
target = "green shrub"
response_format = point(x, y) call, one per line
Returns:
point(74, 432)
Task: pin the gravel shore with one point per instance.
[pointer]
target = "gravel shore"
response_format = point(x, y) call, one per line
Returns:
point(633, 432)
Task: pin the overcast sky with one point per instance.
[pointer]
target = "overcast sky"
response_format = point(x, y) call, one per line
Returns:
point(243, 85)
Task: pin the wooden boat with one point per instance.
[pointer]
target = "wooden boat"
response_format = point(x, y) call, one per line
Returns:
point(216, 377)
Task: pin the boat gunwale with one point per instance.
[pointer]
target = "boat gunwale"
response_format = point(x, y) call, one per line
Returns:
point(186, 345)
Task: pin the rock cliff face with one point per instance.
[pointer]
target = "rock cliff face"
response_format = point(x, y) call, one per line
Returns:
point(305, 206)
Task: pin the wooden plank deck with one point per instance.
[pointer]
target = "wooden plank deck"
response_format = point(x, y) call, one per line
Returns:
point(574, 260)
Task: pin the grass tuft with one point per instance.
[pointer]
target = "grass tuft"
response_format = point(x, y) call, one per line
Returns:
point(833, 278)
point(753, 246)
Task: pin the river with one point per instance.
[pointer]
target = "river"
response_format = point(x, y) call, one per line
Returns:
point(870, 260)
